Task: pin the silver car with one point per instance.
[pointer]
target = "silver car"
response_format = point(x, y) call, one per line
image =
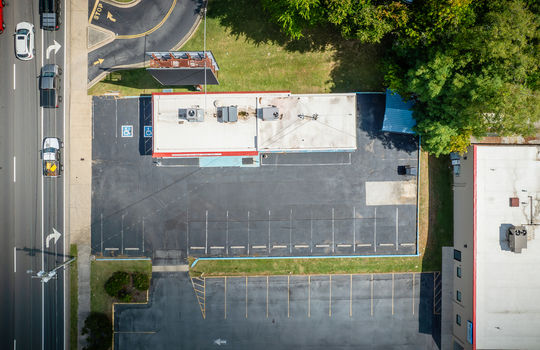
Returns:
point(24, 41)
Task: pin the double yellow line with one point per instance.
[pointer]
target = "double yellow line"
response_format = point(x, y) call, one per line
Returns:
point(150, 31)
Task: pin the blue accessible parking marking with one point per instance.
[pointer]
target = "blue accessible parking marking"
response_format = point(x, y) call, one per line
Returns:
point(127, 130)
point(147, 131)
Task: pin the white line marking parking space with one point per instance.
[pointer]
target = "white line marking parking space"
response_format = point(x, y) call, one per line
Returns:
point(14, 76)
point(14, 169)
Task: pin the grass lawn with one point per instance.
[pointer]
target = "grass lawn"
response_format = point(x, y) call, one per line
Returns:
point(436, 210)
point(73, 299)
point(253, 55)
point(100, 271)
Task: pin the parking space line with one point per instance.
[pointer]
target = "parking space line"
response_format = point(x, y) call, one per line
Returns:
point(187, 231)
point(330, 299)
point(386, 244)
point(333, 244)
point(397, 228)
point(350, 295)
point(131, 248)
point(248, 234)
point(392, 293)
point(143, 234)
point(288, 296)
point(354, 228)
point(322, 245)
point(311, 230)
point(237, 247)
point(371, 294)
point(344, 245)
point(309, 297)
point(290, 232)
point(101, 224)
point(375, 231)
point(225, 297)
point(227, 235)
point(300, 246)
point(111, 249)
point(14, 76)
point(407, 244)
point(266, 296)
point(122, 233)
point(217, 247)
point(269, 248)
point(197, 248)
point(259, 247)
point(246, 296)
point(279, 246)
point(413, 277)
point(116, 118)
point(206, 235)
point(363, 245)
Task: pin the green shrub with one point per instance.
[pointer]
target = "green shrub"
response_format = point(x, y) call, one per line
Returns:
point(116, 282)
point(99, 329)
point(141, 281)
point(124, 296)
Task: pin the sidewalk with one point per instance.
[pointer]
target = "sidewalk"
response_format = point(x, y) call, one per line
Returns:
point(80, 151)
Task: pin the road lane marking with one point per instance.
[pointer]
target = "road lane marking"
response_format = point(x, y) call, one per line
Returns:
point(350, 296)
point(93, 12)
point(371, 294)
point(266, 296)
point(225, 296)
point(246, 296)
point(309, 297)
point(150, 31)
point(14, 76)
point(413, 293)
point(288, 296)
point(14, 169)
point(330, 299)
point(14, 259)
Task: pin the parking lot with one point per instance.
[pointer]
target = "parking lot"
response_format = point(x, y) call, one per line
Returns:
point(291, 205)
point(375, 311)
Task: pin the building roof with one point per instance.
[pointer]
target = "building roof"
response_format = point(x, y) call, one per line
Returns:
point(305, 123)
point(507, 284)
point(398, 114)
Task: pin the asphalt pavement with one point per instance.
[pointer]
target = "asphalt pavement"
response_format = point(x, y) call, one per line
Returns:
point(156, 25)
point(32, 313)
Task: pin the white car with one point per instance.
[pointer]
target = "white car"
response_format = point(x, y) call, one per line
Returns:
point(24, 41)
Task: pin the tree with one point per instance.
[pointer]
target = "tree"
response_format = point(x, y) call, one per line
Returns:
point(118, 281)
point(99, 329)
point(141, 281)
point(473, 81)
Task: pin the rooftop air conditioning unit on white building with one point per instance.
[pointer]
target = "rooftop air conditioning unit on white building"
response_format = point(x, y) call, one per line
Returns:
point(191, 114)
point(516, 236)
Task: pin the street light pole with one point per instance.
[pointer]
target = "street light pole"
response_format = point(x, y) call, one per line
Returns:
point(46, 276)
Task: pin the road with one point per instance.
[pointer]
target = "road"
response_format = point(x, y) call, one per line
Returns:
point(32, 313)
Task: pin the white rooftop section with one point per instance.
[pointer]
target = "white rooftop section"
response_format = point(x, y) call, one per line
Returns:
point(507, 284)
point(328, 122)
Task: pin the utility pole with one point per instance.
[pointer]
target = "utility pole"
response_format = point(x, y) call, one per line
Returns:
point(46, 276)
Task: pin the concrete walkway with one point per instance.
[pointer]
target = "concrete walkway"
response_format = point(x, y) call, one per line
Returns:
point(80, 150)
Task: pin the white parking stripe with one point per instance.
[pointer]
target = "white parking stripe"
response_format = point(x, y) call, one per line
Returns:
point(217, 247)
point(197, 248)
point(279, 246)
point(259, 247)
point(397, 228)
point(386, 244)
point(14, 169)
point(112, 249)
point(322, 245)
point(14, 76)
point(301, 246)
point(363, 245)
point(237, 247)
point(344, 245)
point(131, 248)
point(407, 244)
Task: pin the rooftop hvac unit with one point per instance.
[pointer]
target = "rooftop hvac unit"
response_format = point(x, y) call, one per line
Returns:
point(516, 237)
point(268, 113)
point(227, 114)
point(191, 114)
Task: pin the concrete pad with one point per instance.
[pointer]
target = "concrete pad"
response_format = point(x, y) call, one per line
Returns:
point(390, 192)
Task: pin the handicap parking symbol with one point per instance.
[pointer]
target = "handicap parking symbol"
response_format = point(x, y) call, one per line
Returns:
point(127, 130)
point(148, 131)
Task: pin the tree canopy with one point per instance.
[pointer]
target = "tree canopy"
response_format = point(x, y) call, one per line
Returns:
point(471, 66)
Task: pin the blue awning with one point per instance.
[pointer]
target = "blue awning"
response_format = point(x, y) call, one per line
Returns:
point(398, 114)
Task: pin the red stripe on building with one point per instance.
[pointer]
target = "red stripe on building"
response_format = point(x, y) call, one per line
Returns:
point(219, 92)
point(203, 154)
point(474, 246)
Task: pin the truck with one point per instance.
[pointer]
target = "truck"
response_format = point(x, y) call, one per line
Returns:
point(49, 85)
point(49, 11)
point(52, 161)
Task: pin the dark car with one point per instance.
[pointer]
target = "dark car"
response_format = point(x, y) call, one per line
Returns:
point(2, 24)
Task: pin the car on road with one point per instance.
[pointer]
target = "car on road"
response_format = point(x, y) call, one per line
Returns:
point(2, 24)
point(24, 41)
point(49, 85)
point(52, 161)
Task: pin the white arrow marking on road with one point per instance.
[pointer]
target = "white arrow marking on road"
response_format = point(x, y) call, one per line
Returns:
point(220, 342)
point(56, 235)
point(56, 46)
